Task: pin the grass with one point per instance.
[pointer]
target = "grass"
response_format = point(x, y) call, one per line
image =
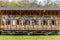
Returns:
point(29, 37)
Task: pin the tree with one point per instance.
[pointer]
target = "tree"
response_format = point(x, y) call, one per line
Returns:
point(51, 3)
point(34, 4)
point(3, 3)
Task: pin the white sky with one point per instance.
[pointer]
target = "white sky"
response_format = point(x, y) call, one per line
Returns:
point(42, 1)
point(10, 0)
point(31, 0)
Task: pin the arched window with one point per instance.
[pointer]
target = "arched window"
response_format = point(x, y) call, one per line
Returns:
point(44, 22)
point(53, 22)
point(3, 21)
point(14, 22)
point(8, 22)
point(35, 22)
point(18, 22)
point(26, 22)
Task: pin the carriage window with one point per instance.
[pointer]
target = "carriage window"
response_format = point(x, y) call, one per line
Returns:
point(8, 22)
point(35, 22)
point(13, 22)
point(44, 22)
point(3, 21)
point(26, 22)
point(17, 22)
point(53, 22)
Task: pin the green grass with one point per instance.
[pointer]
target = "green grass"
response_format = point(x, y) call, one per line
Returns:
point(29, 37)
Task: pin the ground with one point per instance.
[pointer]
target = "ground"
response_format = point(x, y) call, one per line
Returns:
point(30, 37)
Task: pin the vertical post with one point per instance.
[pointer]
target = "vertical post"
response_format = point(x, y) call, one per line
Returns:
point(11, 23)
point(22, 23)
point(31, 23)
point(39, 25)
point(4, 23)
point(49, 26)
point(57, 23)
point(0, 21)
point(48, 22)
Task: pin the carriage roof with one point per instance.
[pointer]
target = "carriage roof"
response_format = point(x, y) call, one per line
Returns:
point(19, 8)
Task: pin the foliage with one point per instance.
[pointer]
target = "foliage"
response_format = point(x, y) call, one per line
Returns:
point(33, 3)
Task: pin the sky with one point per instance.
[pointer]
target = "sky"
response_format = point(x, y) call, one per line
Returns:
point(42, 1)
point(30, 0)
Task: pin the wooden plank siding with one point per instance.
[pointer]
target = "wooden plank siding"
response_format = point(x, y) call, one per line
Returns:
point(38, 13)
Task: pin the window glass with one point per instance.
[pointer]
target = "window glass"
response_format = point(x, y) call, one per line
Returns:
point(53, 22)
point(26, 22)
point(8, 22)
point(35, 22)
point(3, 21)
point(18, 22)
point(44, 22)
point(29, 17)
point(14, 22)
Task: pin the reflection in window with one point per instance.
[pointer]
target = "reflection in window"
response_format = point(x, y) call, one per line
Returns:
point(35, 22)
point(26, 22)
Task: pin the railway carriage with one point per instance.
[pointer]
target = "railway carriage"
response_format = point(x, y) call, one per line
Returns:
point(29, 17)
point(30, 21)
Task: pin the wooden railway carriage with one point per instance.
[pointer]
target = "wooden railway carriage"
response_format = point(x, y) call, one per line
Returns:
point(29, 21)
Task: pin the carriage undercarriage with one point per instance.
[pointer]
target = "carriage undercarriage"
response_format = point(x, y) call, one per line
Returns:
point(30, 32)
